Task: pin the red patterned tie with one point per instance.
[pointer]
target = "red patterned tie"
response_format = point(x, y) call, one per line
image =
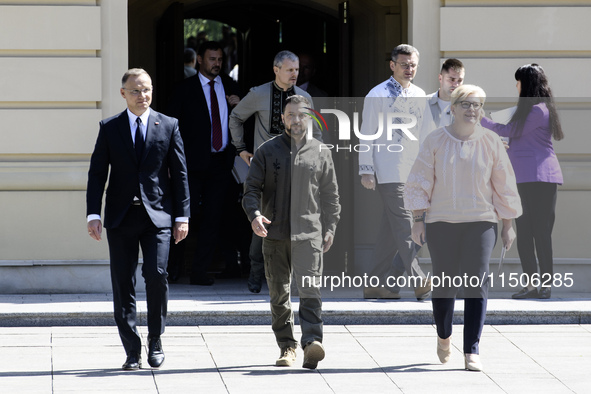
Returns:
point(216, 124)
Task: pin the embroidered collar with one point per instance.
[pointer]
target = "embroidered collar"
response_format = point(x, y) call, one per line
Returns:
point(395, 89)
point(278, 97)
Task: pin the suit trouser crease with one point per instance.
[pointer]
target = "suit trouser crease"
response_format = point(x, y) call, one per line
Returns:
point(137, 230)
point(394, 250)
point(208, 190)
point(534, 227)
point(304, 259)
point(458, 250)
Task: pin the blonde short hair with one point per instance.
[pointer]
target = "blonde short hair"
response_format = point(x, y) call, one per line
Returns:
point(461, 92)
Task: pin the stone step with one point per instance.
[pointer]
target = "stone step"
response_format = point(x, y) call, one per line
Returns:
point(229, 303)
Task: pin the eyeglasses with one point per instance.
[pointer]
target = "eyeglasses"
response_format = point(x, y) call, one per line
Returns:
point(468, 104)
point(136, 92)
point(407, 65)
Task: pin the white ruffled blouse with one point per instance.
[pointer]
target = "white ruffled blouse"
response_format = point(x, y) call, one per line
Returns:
point(463, 181)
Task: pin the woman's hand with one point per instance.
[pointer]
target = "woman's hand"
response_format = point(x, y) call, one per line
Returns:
point(418, 233)
point(508, 234)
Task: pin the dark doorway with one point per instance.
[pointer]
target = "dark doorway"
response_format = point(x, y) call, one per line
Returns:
point(264, 28)
point(267, 27)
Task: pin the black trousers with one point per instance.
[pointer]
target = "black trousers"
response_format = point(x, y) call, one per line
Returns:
point(461, 250)
point(137, 230)
point(208, 190)
point(534, 227)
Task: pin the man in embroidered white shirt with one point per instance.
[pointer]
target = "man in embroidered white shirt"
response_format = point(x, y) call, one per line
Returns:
point(386, 166)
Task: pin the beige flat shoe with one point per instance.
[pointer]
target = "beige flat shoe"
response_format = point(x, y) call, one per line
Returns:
point(473, 362)
point(444, 349)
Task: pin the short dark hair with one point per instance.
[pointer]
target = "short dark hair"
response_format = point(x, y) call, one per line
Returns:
point(189, 55)
point(211, 45)
point(403, 49)
point(132, 72)
point(452, 64)
point(296, 99)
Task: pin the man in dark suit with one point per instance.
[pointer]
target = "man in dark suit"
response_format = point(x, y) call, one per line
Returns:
point(202, 104)
point(148, 191)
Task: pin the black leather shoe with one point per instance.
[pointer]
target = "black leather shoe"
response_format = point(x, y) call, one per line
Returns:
point(254, 287)
point(525, 293)
point(254, 283)
point(545, 293)
point(133, 362)
point(201, 281)
point(155, 353)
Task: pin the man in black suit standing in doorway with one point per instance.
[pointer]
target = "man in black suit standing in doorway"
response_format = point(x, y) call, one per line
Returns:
point(202, 104)
point(147, 195)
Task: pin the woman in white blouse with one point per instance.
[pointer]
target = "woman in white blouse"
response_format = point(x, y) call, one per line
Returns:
point(461, 184)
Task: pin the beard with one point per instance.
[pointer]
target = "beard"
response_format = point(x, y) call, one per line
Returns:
point(297, 129)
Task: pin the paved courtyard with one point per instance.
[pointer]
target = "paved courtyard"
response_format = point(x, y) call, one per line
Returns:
point(239, 359)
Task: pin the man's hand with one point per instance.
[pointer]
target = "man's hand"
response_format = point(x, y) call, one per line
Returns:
point(368, 181)
point(180, 231)
point(246, 156)
point(328, 239)
point(233, 100)
point(95, 229)
point(258, 225)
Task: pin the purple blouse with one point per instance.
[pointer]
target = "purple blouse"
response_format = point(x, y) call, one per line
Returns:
point(532, 155)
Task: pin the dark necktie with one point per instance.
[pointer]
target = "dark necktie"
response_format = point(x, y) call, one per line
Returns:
point(216, 124)
point(139, 140)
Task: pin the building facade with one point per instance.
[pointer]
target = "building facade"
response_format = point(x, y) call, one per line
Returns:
point(62, 60)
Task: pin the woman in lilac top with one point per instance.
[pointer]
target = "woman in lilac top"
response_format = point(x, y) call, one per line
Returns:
point(530, 133)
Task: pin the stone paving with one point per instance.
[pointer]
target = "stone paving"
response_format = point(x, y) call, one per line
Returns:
point(239, 359)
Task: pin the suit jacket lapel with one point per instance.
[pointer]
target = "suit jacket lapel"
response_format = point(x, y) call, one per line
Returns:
point(228, 91)
point(151, 131)
point(201, 101)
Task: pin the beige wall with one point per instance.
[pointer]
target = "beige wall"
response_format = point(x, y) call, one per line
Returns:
point(61, 64)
